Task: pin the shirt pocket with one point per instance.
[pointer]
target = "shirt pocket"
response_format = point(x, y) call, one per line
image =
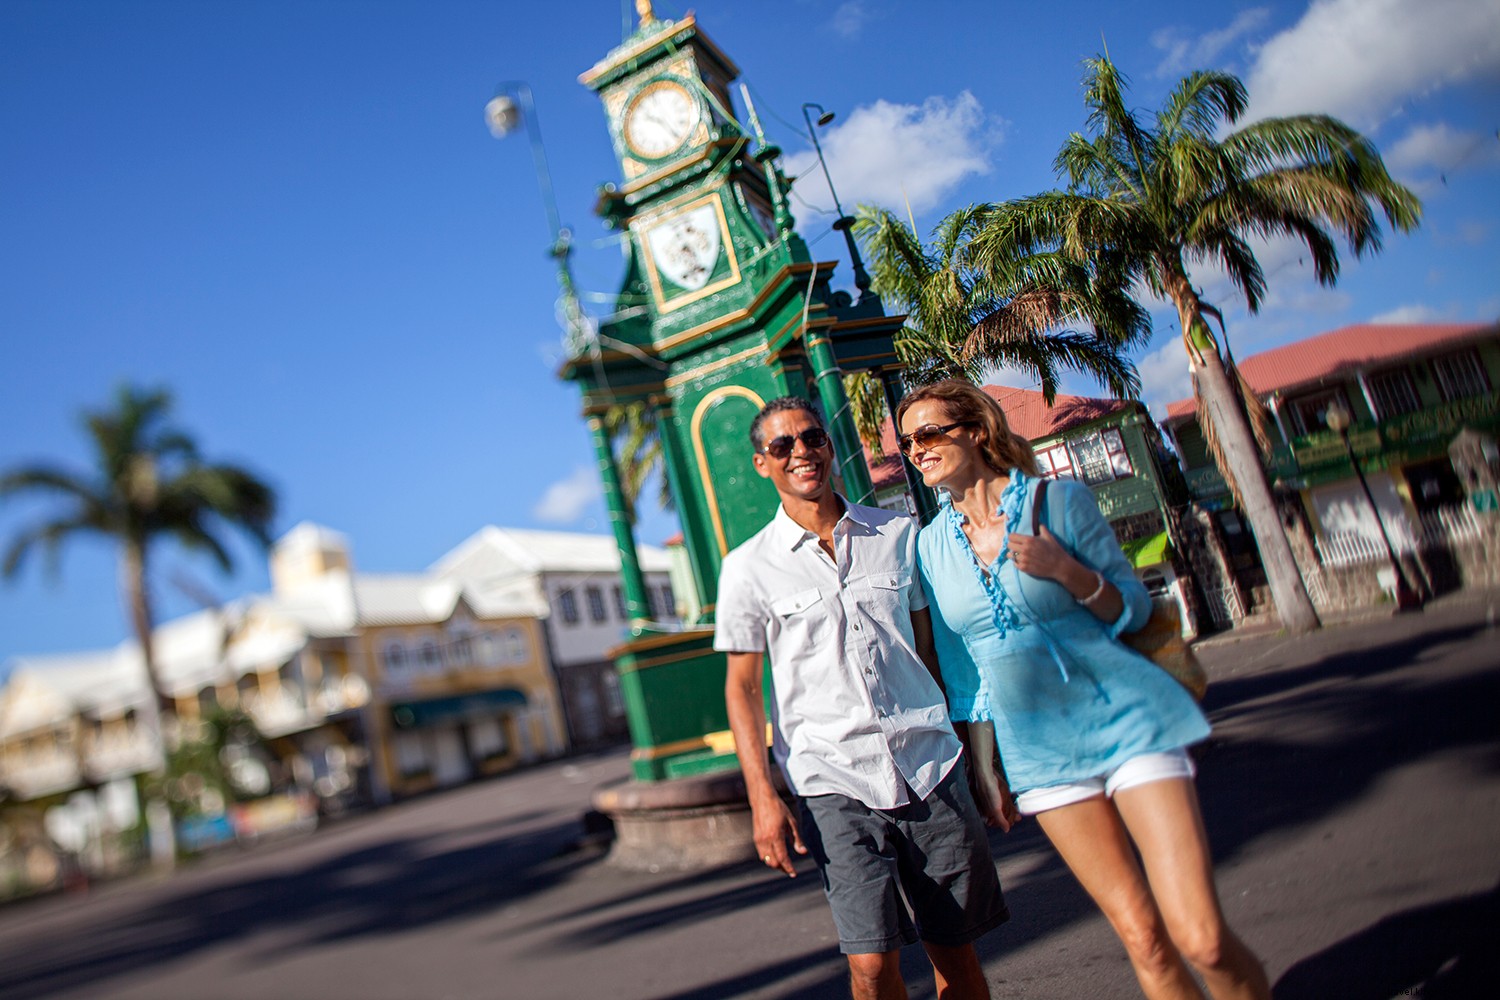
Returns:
point(884, 595)
point(801, 618)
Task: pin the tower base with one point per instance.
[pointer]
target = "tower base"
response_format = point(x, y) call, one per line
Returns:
point(682, 824)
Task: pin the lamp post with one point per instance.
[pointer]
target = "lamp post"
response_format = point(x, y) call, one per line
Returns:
point(1338, 418)
point(512, 105)
point(843, 222)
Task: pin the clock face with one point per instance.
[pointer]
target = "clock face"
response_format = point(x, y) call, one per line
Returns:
point(659, 119)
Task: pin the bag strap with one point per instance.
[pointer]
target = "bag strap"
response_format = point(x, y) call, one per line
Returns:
point(1038, 505)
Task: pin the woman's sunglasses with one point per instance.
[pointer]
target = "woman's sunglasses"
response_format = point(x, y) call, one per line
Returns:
point(928, 435)
point(780, 447)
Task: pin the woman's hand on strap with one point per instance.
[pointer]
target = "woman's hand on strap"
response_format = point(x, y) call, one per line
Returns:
point(1043, 556)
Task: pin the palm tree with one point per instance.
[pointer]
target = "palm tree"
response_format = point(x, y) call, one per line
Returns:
point(967, 314)
point(149, 485)
point(635, 439)
point(1145, 200)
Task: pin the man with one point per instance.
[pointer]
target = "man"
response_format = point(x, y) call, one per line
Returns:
point(861, 732)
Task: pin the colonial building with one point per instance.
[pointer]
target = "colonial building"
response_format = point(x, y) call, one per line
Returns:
point(574, 582)
point(1410, 392)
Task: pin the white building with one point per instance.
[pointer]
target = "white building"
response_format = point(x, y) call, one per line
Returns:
point(576, 577)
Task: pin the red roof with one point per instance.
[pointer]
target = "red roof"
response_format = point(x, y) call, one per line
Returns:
point(1340, 353)
point(1027, 413)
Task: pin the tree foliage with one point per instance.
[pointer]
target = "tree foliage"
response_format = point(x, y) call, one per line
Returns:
point(1148, 199)
point(148, 485)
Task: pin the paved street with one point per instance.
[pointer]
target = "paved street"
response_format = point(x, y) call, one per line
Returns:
point(1351, 792)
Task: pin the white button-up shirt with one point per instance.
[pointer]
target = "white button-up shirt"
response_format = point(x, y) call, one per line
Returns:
point(854, 711)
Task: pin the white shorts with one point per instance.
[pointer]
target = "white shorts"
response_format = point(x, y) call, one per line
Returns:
point(1138, 770)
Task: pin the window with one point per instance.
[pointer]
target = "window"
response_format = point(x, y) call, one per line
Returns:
point(1393, 393)
point(515, 646)
point(461, 652)
point(486, 739)
point(620, 611)
point(567, 606)
point(596, 604)
point(411, 756)
point(1119, 458)
point(395, 658)
point(428, 656)
point(1056, 462)
point(1460, 375)
point(489, 648)
point(1101, 457)
point(1309, 412)
point(614, 703)
point(668, 601)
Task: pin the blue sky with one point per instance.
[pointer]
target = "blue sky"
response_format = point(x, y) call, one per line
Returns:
point(292, 215)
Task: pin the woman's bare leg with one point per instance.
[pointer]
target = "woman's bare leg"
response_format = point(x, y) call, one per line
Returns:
point(1164, 820)
point(1092, 840)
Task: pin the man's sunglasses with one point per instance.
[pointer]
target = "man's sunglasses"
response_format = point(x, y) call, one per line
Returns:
point(780, 447)
point(929, 435)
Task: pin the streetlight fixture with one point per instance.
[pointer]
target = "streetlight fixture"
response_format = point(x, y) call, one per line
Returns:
point(843, 222)
point(512, 107)
point(1338, 418)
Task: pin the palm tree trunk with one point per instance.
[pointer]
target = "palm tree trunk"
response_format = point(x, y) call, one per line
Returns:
point(1242, 464)
point(162, 837)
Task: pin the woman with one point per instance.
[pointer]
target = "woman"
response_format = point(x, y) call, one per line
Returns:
point(1091, 736)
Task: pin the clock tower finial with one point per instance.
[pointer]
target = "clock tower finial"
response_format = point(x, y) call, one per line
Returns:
point(643, 8)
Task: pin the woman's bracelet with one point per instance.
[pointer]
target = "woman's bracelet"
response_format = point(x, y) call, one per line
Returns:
point(1088, 601)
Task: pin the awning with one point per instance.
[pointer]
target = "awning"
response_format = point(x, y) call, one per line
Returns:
point(478, 705)
point(1150, 551)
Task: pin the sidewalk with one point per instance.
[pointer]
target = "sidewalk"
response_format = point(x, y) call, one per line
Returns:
point(1438, 606)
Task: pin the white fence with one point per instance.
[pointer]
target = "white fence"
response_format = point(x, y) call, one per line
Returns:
point(1443, 527)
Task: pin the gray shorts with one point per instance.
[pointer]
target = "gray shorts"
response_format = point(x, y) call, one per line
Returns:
point(934, 852)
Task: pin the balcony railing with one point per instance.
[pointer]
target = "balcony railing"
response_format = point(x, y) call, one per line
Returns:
point(39, 774)
point(119, 755)
point(1321, 456)
point(1440, 528)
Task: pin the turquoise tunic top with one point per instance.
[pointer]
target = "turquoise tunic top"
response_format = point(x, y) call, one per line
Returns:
point(1068, 700)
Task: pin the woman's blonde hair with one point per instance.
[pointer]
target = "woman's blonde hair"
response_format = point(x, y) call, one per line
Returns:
point(1002, 448)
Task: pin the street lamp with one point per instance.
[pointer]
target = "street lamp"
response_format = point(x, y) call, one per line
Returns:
point(843, 222)
point(1338, 418)
point(512, 106)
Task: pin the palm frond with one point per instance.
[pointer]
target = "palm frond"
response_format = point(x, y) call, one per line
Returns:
point(867, 404)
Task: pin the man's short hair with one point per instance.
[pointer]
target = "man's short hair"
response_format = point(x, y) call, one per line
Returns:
point(782, 404)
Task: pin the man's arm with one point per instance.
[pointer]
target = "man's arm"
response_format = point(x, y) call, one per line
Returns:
point(772, 820)
point(921, 632)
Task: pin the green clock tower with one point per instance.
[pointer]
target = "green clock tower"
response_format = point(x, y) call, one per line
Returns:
point(721, 309)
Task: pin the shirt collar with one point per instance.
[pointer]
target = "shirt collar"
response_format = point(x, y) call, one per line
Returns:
point(789, 534)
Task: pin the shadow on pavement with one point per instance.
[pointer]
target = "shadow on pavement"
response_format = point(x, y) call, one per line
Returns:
point(1447, 950)
point(1340, 724)
point(393, 886)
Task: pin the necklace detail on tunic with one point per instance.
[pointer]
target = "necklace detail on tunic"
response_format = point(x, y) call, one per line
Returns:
point(1007, 617)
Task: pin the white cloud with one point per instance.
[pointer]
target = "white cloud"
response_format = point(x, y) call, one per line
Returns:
point(1184, 53)
point(1427, 154)
point(1410, 314)
point(887, 153)
point(1361, 60)
point(1164, 376)
point(850, 18)
point(565, 500)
